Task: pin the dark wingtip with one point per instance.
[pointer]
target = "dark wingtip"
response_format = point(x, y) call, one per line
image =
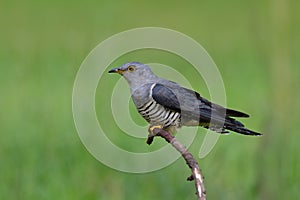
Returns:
point(257, 134)
point(251, 133)
point(242, 130)
point(246, 131)
point(235, 113)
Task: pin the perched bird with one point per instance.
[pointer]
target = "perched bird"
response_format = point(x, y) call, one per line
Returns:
point(167, 105)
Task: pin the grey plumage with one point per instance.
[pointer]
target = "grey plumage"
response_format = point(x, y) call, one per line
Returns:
point(169, 105)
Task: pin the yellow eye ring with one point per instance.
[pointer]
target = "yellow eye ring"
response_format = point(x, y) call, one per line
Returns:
point(131, 68)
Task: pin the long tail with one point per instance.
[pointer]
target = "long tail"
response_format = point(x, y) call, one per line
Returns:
point(240, 129)
point(221, 126)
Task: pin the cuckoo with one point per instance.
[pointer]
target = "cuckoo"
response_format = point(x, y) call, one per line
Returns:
point(167, 105)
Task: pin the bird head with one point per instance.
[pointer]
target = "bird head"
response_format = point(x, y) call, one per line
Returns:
point(135, 73)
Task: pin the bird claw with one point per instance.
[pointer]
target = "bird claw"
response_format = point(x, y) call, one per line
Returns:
point(152, 134)
point(151, 129)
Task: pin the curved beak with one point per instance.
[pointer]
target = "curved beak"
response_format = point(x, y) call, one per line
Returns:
point(116, 70)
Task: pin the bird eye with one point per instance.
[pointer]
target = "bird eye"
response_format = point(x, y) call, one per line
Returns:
point(131, 68)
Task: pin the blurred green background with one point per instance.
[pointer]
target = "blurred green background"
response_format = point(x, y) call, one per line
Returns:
point(255, 44)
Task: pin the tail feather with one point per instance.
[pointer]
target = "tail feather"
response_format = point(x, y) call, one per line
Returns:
point(242, 130)
point(235, 113)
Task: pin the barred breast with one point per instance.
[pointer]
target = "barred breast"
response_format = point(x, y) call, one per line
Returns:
point(156, 114)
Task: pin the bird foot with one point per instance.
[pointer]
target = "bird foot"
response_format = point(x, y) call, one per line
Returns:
point(152, 134)
point(151, 129)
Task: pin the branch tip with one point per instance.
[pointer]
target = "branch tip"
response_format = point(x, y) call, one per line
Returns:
point(188, 157)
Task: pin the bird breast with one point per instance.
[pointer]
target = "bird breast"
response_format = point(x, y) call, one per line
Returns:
point(156, 114)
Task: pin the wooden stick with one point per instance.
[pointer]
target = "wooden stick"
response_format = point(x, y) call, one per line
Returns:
point(190, 161)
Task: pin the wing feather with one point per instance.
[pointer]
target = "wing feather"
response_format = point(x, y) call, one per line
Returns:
point(192, 106)
point(185, 102)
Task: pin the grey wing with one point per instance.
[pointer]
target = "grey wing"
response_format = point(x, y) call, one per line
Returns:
point(165, 97)
point(186, 102)
point(196, 110)
point(217, 108)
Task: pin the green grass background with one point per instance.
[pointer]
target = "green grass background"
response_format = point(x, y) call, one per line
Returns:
point(255, 44)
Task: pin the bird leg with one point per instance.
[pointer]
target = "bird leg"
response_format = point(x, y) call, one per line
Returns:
point(152, 134)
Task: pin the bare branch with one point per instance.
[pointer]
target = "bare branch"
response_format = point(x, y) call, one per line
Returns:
point(191, 162)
